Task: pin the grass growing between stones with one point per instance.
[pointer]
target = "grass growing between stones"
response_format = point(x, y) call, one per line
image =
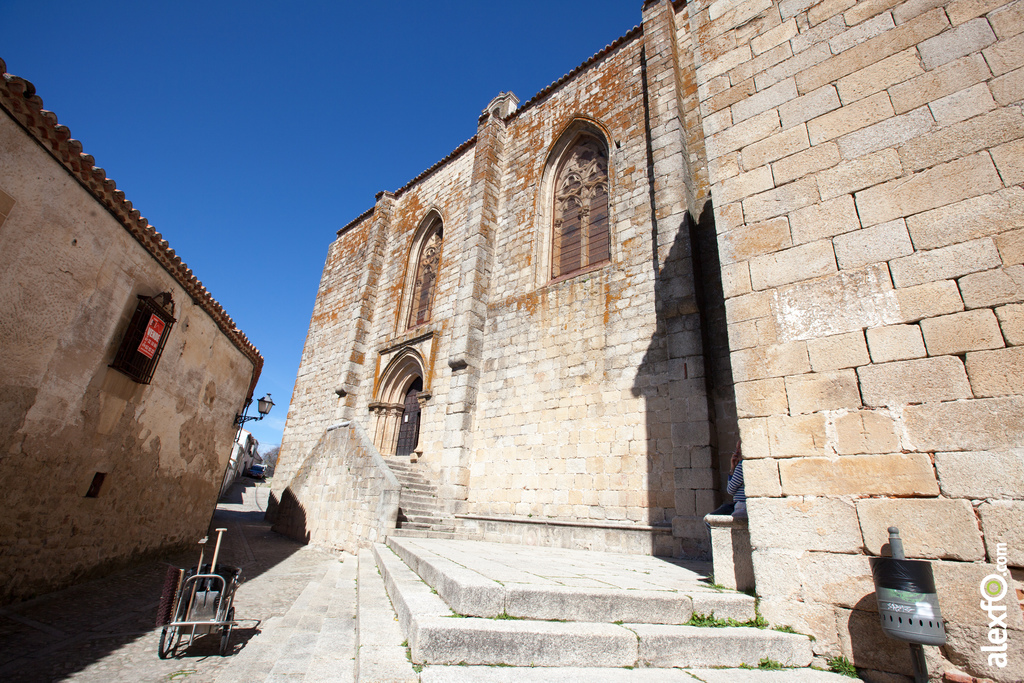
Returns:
point(842, 666)
point(418, 668)
point(766, 664)
point(711, 621)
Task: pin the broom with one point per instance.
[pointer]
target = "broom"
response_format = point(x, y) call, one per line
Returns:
point(169, 595)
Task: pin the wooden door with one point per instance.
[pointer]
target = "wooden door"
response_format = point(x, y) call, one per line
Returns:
point(409, 430)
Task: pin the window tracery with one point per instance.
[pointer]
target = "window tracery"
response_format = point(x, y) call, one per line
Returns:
point(426, 277)
point(580, 216)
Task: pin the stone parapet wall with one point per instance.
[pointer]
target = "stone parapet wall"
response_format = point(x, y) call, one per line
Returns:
point(342, 495)
point(865, 161)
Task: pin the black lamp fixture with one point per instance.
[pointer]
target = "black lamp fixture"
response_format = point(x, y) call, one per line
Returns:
point(263, 405)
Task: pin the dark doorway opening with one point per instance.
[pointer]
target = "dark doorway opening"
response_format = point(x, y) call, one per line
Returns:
point(409, 431)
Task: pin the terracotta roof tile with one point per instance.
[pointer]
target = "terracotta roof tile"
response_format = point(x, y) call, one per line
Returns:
point(18, 97)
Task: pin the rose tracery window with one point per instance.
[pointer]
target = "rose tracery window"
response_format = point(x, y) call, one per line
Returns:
point(580, 222)
point(426, 278)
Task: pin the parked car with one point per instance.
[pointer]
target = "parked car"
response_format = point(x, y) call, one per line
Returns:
point(257, 472)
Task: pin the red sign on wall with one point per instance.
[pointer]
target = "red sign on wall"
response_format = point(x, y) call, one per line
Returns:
point(151, 339)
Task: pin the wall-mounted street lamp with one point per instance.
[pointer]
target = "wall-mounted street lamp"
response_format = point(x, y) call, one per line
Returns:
point(263, 405)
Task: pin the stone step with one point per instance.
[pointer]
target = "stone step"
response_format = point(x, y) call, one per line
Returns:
point(420, 499)
point(424, 533)
point(539, 674)
point(469, 593)
point(436, 635)
point(422, 489)
point(380, 653)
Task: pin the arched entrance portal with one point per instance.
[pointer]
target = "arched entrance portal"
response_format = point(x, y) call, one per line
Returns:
point(396, 409)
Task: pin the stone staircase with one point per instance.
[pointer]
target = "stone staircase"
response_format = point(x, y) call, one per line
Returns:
point(430, 611)
point(420, 513)
point(575, 610)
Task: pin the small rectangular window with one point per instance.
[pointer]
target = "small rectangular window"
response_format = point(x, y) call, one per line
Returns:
point(97, 483)
point(144, 340)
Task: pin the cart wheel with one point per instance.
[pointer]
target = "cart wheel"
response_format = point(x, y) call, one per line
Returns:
point(225, 633)
point(168, 641)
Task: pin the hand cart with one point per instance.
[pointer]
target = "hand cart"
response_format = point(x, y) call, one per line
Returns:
point(198, 601)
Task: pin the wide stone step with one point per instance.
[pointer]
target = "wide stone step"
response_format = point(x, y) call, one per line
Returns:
point(419, 499)
point(428, 534)
point(471, 594)
point(380, 653)
point(539, 674)
point(436, 635)
point(421, 489)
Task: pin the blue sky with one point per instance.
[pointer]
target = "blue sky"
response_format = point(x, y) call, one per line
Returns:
point(249, 132)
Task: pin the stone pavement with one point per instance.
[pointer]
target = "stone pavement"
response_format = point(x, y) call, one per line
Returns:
point(103, 630)
point(312, 616)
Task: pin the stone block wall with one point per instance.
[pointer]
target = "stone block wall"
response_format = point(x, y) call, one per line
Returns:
point(341, 495)
point(865, 161)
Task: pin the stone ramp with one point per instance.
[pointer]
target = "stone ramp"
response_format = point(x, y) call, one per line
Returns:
point(487, 674)
point(315, 639)
point(468, 571)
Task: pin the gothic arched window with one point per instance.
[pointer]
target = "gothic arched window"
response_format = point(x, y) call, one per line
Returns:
point(426, 277)
point(580, 215)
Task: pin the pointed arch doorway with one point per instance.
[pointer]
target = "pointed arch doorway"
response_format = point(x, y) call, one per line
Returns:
point(398, 404)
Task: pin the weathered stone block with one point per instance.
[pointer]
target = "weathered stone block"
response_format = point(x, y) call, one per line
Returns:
point(748, 242)
point(754, 434)
point(744, 185)
point(803, 163)
point(1011, 247)
point(849, 118)
point(879, 76)
point(775, 147)
point(963, 40)
point(781, 200)
point(795, 436)
point(748, 307)
point(929, 300)
point(761, 398)
point(847, 301)
point(896, 342)
point(992, 287)
point(770, 361)
point(863, 642)
point(1008, 88)
point(967, 220)
point(866, 431)
point(835, 579)
point(792, 265)
point(932, 85)
point(1009, 160)
point(960, 139)
point(963, 606)
point(861, 31)
point(891, 132)
point(829, 218)
point(996, 373)
point(962, 332)
point(813, 619)
point(837, 352)
point(882, 242)
point(938, 186)
point(826, 524)
point(900, 474)
point(962, 105)
point(773, 37)
point(914, 381)
point(778, 571)
point(819, 391)
point(742, 134)
point(1003, 522)
point(1005, 55)
point(1011, 321)
point(1008, 20)
point(977, 425)
point(809, 106)
point(735, 279)
point(930, 529)
point(857, 174)
point(946, 262)
point(762, 101)
point(761, 478)
point(981, 474)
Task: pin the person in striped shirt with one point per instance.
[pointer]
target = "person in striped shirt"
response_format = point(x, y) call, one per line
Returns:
point(737, 507)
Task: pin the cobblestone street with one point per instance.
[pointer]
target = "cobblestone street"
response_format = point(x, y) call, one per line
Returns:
point(103, 630)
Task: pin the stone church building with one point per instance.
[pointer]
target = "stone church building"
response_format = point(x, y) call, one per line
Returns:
point(798, 224)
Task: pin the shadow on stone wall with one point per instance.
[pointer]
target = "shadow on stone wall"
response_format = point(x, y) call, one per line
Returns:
point(289, 516)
